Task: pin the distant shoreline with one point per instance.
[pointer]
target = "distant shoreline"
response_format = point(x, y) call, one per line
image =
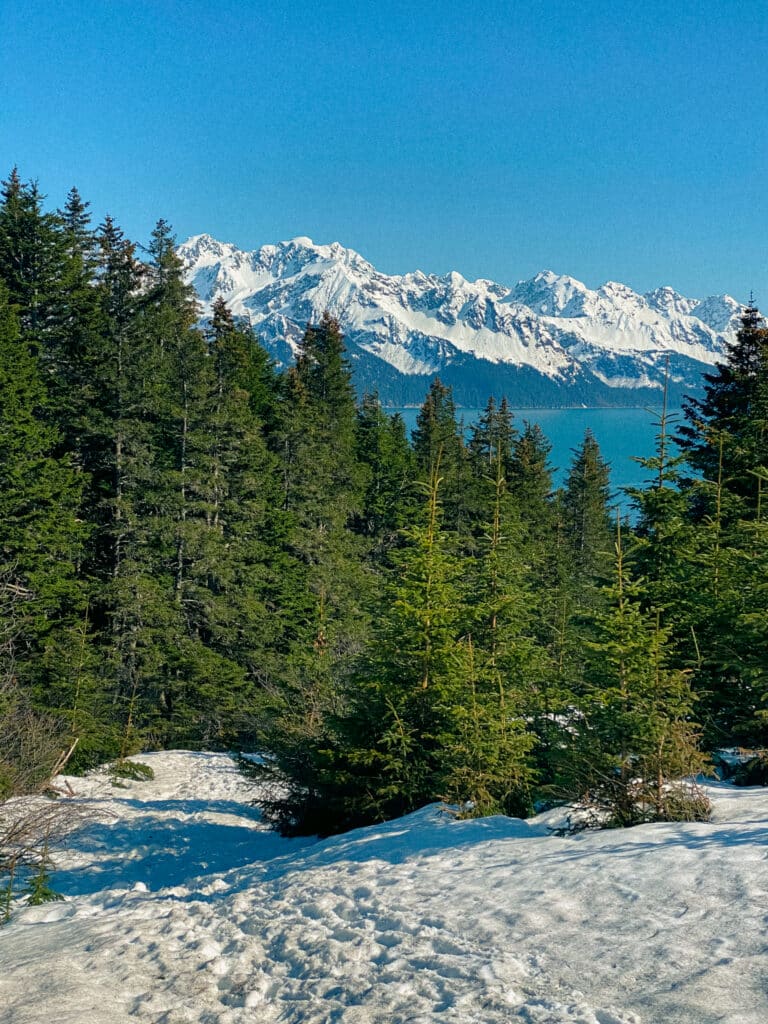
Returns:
point(550, 408)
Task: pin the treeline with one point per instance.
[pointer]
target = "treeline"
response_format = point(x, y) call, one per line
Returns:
point(199, 551)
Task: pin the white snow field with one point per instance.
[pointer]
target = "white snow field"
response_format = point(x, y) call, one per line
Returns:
point(181, 907)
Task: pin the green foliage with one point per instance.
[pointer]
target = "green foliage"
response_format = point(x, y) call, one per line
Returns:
point(634, 738)
point(508, 663)
point(430, 713)
point(41, 536)
point(438, 440)
point(381, 446)
point(586, 517)
point(402, 729)
point(197, 550)
point(724, 433)
point(530, 482)
point(753, 772)
point(39, 889)
point(133, 770)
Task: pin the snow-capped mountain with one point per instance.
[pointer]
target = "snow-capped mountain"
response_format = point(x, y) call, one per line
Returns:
point(547, 341)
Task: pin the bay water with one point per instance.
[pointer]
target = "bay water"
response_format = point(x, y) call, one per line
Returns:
point(621, 433)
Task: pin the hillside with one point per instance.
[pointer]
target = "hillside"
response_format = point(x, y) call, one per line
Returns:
point(181, 907)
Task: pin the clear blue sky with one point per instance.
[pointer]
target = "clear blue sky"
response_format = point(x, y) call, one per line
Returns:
point(604, 140)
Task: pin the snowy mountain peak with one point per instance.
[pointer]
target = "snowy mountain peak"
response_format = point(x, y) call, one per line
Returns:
point(720, 312)
point(549, 340)
point(669, 302)
point(552, 294)
point(204, 245)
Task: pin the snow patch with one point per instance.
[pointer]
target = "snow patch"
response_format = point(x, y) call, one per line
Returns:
point(182, 907)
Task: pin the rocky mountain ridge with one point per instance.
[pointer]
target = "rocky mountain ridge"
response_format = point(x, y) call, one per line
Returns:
point(547, 341)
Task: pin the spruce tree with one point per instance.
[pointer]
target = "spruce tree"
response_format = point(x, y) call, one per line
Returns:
point(546, 550)
point(160, 358)
point(116, 438)
point(663, 533)
point(438, 439)
point(587, 520)
point(41, 536)
point(739, 694)
point(381, 445)
point(530, 481)
point(204, 562)
point(493, 437)
point(323, 486)
point(634, 739)
point(394, 742)
point(31, 258)
point(245, 576)
point(724, 434)
point(74, 339)
point(723, 440)
point(507, 661)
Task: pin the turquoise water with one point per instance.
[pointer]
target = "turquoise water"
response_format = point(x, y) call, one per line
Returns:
point(621, 434)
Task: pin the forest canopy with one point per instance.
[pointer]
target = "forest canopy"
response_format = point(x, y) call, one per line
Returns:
point(200, 551)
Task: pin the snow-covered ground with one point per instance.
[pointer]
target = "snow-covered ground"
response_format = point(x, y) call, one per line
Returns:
point(181, 907)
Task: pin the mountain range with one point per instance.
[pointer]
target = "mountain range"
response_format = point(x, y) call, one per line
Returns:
point(550, 341)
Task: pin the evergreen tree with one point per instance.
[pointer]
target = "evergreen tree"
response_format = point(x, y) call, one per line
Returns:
point(586, 518)
point(31, 258)
point(437, 439)
point(663, 533)
point(390, 749)
point(493, 437)
point(381, 446)
point(41, 537)
point(203, 560)
point(507, 661)
point(73, 340)
point(544, 547)
point(635, 741)
point(244, 577)
point(323, 482)
point(160, 361)
point(530, 481)
point(322, 494)
point(76, 222)
point(249, 365)
point(723, 440)
point(739, 694)
point(724, 434)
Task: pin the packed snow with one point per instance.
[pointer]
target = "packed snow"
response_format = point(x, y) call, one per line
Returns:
point(180, 906)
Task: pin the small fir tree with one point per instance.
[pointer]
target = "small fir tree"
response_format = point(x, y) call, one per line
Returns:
point(635, 742)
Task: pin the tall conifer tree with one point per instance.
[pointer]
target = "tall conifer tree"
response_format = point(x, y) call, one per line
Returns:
point(586, 518)
point(635, 742)
point(41, 536)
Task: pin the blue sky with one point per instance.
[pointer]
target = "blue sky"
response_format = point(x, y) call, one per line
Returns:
point(604, 140)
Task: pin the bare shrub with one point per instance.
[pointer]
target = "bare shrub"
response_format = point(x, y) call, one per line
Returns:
point(32, 746)
point(31, 829)
point(33, 822)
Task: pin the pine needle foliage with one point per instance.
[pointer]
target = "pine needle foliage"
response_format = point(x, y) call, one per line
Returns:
point(635, 742)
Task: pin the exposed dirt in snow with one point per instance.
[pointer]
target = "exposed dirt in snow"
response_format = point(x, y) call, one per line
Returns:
point(181, 907)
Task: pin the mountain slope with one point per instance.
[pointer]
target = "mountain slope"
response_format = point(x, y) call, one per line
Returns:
point(547, 341)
